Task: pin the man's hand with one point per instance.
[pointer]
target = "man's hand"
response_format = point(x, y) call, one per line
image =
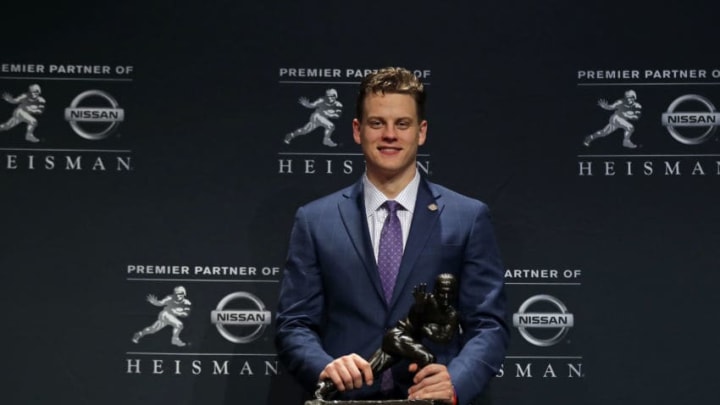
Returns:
point(431, 382)
point(348, 372)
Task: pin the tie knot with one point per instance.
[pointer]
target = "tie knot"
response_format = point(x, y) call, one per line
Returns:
point(392, 206)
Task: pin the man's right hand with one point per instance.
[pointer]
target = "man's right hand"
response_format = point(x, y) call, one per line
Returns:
point(348, 372)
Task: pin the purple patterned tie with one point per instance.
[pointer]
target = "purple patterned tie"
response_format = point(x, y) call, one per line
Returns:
point(390, 250)
point(389, 256)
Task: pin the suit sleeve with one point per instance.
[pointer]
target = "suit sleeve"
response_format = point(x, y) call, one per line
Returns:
point(300, 308)
point(482, 309)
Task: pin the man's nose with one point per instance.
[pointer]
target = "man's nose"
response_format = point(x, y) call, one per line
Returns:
point(390, 132)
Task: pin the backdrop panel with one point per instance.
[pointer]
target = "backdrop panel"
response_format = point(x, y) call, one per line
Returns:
point(160, 164)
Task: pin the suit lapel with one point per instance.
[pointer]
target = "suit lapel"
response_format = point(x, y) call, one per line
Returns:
point(427, 211)
point(352, 212)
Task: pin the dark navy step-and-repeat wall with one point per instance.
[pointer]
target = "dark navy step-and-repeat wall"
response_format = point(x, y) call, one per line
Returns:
point(142, 157)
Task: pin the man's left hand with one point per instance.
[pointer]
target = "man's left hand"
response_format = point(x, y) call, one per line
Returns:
point(431, 382)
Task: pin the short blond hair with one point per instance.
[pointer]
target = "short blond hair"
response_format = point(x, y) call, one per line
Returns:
point(391, 80)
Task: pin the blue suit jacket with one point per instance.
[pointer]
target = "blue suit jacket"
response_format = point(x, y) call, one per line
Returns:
point(331, 300)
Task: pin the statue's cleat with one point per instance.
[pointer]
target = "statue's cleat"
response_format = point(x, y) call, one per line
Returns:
point(629, 144)
point(31, 138)
point(177, 342)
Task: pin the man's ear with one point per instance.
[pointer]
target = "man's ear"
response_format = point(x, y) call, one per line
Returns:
point(356, 130)
point(422, 134)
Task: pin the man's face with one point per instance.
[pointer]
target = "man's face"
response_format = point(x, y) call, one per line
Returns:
point(390, 133)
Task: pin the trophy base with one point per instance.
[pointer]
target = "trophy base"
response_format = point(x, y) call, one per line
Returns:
point(381, 402)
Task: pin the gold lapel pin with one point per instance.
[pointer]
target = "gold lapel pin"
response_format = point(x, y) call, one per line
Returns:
point(433, 207)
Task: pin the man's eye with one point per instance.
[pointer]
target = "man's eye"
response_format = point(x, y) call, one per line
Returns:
point(375, 124)
point(403, 125)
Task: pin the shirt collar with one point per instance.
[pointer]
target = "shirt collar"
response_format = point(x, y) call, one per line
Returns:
point(374, 198)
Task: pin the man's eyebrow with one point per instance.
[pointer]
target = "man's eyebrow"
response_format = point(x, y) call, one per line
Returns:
point(408, 117)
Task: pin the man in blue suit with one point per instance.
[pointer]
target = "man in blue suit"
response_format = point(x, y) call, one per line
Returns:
point(333, 309)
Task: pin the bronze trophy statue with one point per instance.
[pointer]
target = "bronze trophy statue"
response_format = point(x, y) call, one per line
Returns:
point(431, 316)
